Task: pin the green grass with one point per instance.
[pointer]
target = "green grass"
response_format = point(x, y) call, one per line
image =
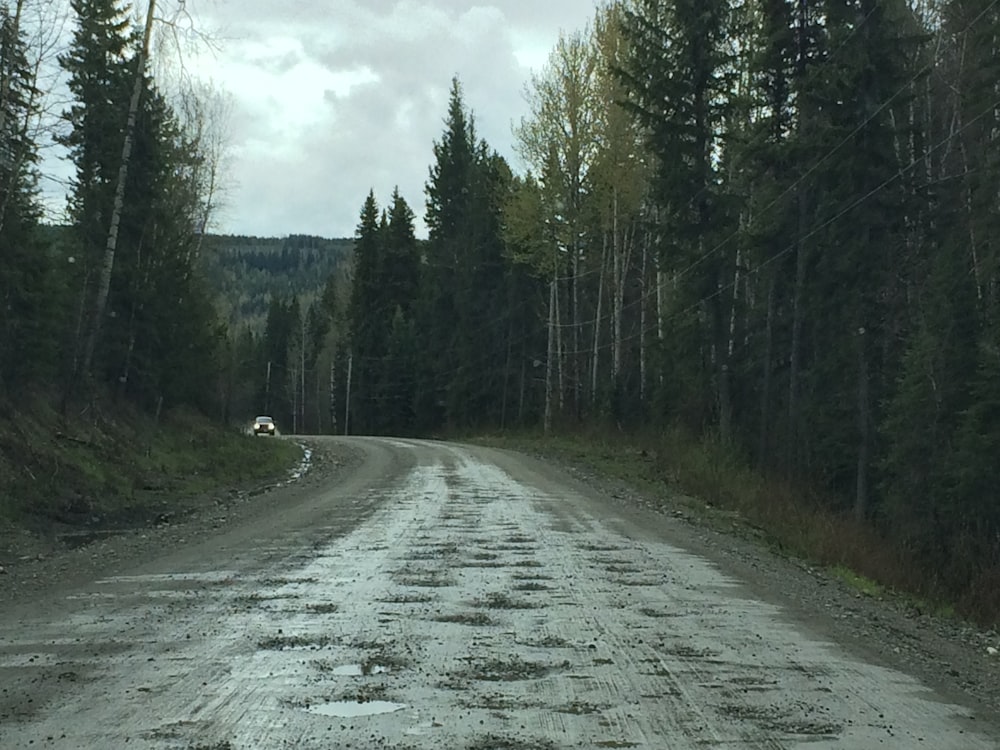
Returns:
point(111, 465)
point(857, 582)
point(705, 480)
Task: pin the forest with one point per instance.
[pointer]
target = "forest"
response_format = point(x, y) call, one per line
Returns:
point(770, 224)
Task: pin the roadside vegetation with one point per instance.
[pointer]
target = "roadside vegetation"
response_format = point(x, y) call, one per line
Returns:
point(760, 238)
point(703, 481)
point(121, 468)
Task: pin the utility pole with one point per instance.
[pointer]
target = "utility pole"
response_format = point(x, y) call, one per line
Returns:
point(302, 372)
point(347, 405)
point(333, 393)
point(267, 389)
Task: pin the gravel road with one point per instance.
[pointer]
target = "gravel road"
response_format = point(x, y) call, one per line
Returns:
point(409, 594)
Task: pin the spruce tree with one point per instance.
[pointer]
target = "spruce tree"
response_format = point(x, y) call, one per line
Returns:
point(368, 320)
point(29, 299)
point(98, 64)
point(678, 77)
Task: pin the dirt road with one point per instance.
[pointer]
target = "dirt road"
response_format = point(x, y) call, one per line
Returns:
point(455, 598)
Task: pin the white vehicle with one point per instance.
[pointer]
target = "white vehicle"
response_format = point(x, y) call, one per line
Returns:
point(264, 426)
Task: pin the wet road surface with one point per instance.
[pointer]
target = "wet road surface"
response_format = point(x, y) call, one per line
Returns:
point(451, 598)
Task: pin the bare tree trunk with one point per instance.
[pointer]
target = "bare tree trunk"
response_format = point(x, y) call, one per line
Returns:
point(302, 374)
point(575, 375)
point(333, 391)
point(794, 358)
point(643, 285)
point(506, 377)
point(864, 428)
point(618, 294)
point(347, 398)
point(522, 392)
point(622, 256)
point(765, 390)
point(550, 359)
point(595, 363)
point(661, 280)
point(104, 282)
point(735, 298)
point(560, 355)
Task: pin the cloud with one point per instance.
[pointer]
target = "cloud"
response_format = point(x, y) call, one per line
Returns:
point(334, 99)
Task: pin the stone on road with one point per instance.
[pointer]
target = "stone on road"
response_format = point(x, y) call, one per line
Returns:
point(450, 598)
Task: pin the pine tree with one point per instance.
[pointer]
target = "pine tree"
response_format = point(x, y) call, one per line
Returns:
point(679, 83)
point(460, 316)
point(368, 319)
point(99, 66)
point(29, 301)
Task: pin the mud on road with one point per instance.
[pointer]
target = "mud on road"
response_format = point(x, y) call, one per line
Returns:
point(450, 597)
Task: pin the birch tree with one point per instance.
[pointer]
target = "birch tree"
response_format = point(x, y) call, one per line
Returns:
point(559, 139)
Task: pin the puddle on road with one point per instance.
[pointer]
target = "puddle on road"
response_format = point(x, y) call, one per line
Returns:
point(358, 670)
point(354, 709)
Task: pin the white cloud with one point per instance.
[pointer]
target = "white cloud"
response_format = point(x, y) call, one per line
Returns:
point(332, 99)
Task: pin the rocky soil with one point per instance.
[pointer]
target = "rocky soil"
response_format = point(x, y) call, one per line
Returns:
point(950, 655)
point(953, 655)
point(31, 565)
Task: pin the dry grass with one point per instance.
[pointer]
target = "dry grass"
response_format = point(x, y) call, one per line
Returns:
point(701, 478)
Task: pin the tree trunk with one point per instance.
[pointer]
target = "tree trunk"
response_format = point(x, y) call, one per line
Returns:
point(864, 428)
point(595, 363)
point(550, 359)
point(333, 391)
point(560, 354)
point(643, 284)
point(765, 390)
point(794, 357)
point(104, 281)
point(347, 397)
point(575, 375)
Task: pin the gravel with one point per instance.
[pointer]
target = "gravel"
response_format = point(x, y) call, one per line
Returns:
point(948, 654)
point(952, 655)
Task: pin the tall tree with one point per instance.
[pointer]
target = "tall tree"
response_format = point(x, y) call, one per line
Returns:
point(99, 66)
point(367, 316)
point(560, 138)
point(461, 329)
point(27, 294)
point(679, 82)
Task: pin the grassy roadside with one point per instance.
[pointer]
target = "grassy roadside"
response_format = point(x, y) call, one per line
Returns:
point(703, 480)
point(118, 468)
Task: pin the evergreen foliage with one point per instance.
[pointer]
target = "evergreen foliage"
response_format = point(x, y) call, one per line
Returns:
point(773, 222)
point(27, 316)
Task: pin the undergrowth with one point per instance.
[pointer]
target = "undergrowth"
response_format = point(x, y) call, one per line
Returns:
point(701, 477)
point(111, 465)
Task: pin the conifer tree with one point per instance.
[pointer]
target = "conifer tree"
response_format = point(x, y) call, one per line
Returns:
point(367, 319)
point(98, 63)
point(679, 83)
point(460, 321)
point(28, 298)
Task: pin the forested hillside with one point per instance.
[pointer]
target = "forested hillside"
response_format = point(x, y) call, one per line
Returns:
point(771, 225)
point(246, 272)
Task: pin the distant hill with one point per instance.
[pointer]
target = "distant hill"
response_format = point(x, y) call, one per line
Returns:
point(246, 272)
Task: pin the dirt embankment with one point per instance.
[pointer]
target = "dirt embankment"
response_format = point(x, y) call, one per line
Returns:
point(33, 562)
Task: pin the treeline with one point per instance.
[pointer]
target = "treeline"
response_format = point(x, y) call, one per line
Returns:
point(134, 299)
point(245, 273)
point(772, 223)
point(112, 303)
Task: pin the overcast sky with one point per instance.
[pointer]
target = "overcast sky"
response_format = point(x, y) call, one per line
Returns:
point(332, 98)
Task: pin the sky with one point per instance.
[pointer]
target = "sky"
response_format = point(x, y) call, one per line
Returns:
point(332, 98)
